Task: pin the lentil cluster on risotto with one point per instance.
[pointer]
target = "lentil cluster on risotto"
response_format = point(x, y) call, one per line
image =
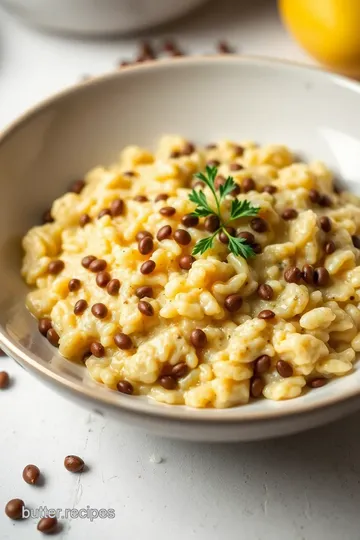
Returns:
point(117, 284)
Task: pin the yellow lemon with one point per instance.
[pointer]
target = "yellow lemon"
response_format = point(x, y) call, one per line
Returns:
point(328, 29)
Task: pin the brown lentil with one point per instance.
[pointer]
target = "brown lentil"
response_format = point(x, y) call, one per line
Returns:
point(308, 274)
point(145, 308)
point(97, 349)
point(147, 267)
point(99, 310)
point(212, 223)
point(44, 325)
point(142, 234)
point(144, 292)
point(164, 232)
point(182, 237)
point(167, 382)
point(239, 150)
point(198, 338)
point(262, 364)
point(258, 224)
point(223, 237)
point(256, 387)
point(55, 267)
point(256, 248)
point(314, 196)
point(224, 48)
point(247, 236)
point(74, 464)
point(4, 380)
point(213, 163)
point(236, 191)
point(86, 261)
point(293, 274)
point(186, 262)
point(325, 224)
point(161, 197)
point(325, 201)
point(125, 387)
point(266, 314)
point(104, 212)
point(147, 50)
point(141, 198)
point(80, 307)
point(74, 285)
point(235, 167)
point(166, 369)
point(53, 337)
point(270, 189)
point(356, 240)
point(211, 146)
point(146, 245)
point(175, 154)
point(198, 184)
point(329, 247)
point(117, 207)
point(265, 291)
point(123, 341)
point(180, 370)
point(98, 265)
point(77, 186)
point(321, 276)
point(188, 149)
point(248, 184)
point(317, 383)
point(219, 181)
point(189, 220)
point(233, 302)
point(14, 508)
point(129, 174)
point(289, 214)
point(284, 369)
point(84, 220)
point(113, 287)
point(31, 474)
point(47, 525)
point(167, 211)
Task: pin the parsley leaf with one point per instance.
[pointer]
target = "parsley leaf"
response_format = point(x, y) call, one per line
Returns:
point(227, 188)
point(209, 180)
point(199, 198)
point(209, 177)
point(203, 245)
point(239, 247)
point(242, 209)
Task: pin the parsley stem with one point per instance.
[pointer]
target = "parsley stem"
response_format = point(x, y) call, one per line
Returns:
point(226, 232)
point(216, 200)
point(215, 233)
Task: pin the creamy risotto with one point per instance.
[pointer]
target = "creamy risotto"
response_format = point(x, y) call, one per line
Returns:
point(116, 286)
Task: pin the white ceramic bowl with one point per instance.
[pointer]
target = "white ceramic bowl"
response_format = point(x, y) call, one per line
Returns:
point(99, 16)
point(315, 113)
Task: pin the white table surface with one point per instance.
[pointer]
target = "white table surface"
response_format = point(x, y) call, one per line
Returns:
point(303, 487)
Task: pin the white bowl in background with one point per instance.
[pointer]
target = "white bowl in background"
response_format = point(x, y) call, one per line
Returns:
point(90, 17)
point(317, 114)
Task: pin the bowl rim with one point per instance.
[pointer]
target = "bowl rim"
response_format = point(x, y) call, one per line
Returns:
point(289, 408)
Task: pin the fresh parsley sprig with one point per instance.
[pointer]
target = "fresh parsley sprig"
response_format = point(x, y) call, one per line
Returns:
point(238, 209)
